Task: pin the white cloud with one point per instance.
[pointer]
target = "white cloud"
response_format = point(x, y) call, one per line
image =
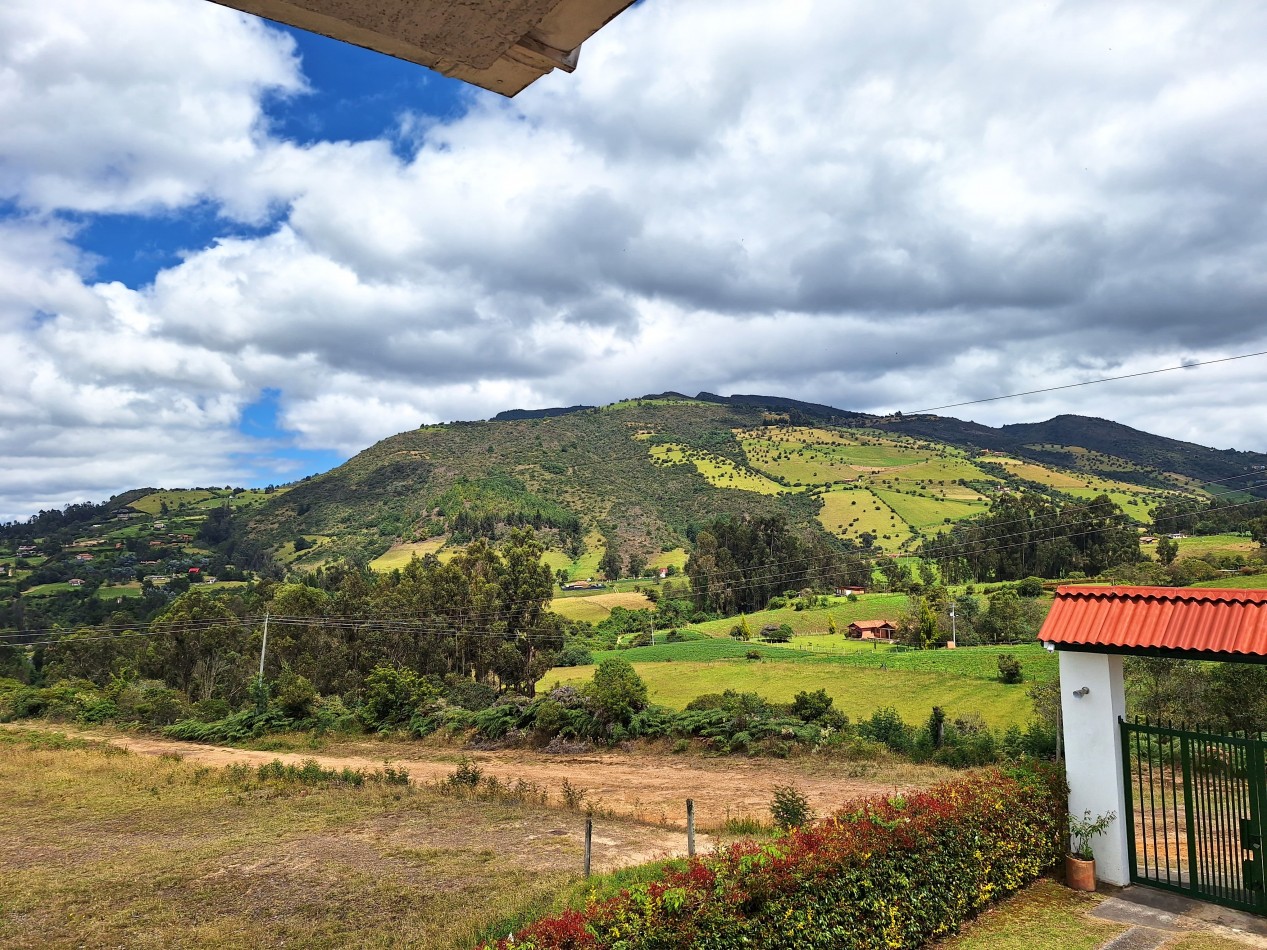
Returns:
point(869, 205)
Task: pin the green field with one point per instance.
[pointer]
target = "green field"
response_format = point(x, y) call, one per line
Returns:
point(398, 555)
point(929, 514)
point(123, 590)
point(848, 512)
point(675, 558)
point(1237, 582)
point(858, 689)
point(595, 608)
point(720, 472)
point(1214, 544)
point(153, 503)
point(843, 610)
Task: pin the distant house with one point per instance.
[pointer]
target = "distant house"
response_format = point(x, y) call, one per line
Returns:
point(872, 630)
point(76, 582)
point(83, 557)
point(847, 591)
point(1148, 539)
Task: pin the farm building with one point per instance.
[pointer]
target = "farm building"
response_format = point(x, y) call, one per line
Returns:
point(872, 630)
point(847, 591)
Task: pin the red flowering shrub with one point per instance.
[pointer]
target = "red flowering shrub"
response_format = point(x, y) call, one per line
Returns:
point(892, 873)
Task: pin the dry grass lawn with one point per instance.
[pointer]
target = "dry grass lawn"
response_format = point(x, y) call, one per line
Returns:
point(103, 848)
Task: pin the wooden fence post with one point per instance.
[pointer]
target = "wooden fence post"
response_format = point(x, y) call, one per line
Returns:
point(589, 843)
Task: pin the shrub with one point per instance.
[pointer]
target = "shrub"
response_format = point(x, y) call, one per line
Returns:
point(1009, 669)
point(392, 696)
point(574, 656)
point(811, 706)
point(790, 808)
point(899, 872)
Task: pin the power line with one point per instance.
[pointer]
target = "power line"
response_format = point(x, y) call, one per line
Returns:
point(1088, 382)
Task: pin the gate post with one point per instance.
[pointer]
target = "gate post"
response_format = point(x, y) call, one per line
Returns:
point(1092, 699)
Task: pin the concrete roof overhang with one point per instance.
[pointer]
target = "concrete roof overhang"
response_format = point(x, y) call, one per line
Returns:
point(500, 45)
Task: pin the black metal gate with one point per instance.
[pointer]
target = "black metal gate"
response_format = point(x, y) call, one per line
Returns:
point(1194, 809)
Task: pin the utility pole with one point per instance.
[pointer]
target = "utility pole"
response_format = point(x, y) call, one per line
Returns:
point(953, 638)
point(263, 647)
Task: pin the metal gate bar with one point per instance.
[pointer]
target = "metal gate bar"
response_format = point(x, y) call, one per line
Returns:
point(1194, 807)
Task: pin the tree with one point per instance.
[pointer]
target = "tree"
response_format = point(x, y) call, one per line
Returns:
point(609, 566)
point(831, 626)
point(637, 564)
point(1167, 550)
point(741, 630)
point(617, 690)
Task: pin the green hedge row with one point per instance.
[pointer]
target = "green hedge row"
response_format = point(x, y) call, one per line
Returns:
point(893, 873)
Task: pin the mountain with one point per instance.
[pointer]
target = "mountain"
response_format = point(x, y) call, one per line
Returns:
point(643, 473)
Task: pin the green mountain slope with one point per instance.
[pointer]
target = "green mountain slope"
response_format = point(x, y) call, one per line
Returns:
point(639, 474)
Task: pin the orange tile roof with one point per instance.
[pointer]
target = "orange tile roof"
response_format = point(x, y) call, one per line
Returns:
point(1167, 618)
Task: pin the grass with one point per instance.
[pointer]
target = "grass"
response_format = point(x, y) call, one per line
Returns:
point(843, 610)
point(926, 513)
point(1237, 582)
point(152, 504)
point(47, 590)
point(399, 555)
point(675, 558)
point(1215, 544)
point(154, 852)
point(123, 590)
point(720, 472)
point(598, 607)
point(857, 690)
point(848, 512)
point(1044, 916)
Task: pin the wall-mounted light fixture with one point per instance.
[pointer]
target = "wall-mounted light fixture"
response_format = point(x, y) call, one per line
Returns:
point(1082, 692)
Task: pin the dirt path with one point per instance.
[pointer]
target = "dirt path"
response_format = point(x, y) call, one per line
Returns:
point(645, 786)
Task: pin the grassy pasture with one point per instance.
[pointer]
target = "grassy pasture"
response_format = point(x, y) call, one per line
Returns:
point(806, 463)
point(398, 555)
point(720, 472)
point(1214, 544)
point(1237, 582)
point(152, 852)
point(152, 504)
point(122, 590)
point(848, 512)
point(857, 690)
point(595, 608)
point(803, 622)
point(928, 514)
point(675, 558)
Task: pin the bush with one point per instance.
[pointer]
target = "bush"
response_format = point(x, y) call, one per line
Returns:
point(1009, 669)
point(574, 656)
point(790, 808)
point(897, 872)
point(392, 696)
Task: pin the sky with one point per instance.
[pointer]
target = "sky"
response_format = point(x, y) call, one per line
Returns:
point(235, 254)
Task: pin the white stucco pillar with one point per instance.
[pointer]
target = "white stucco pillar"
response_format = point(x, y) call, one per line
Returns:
point(1093, 751)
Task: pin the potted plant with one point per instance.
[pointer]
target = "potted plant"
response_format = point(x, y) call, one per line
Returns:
point(1080, 861)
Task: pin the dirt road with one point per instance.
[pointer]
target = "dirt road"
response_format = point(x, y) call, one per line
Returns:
point(646, 786)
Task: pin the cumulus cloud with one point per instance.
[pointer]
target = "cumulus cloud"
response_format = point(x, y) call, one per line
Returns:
point(869, 205)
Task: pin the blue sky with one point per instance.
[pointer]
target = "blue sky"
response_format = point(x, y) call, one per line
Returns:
point(232, 253)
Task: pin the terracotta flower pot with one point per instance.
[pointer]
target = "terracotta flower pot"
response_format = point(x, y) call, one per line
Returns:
point(1079, 873)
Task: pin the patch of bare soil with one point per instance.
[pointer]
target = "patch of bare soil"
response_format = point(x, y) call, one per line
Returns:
point(646, 786)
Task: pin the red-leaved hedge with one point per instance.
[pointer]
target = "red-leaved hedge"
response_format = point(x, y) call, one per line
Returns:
point(891, 873)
